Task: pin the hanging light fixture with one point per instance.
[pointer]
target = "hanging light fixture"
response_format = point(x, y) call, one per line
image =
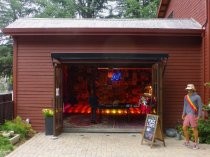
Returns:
point(110, 73)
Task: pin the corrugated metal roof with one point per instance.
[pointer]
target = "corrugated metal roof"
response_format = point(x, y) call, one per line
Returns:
point(56, 26)
point(105, 23)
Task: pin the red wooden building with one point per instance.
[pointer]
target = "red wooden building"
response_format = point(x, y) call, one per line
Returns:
point(199, 11)
point(55, 59)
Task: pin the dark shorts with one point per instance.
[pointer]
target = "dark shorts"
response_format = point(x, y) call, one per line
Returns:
point(190, 120)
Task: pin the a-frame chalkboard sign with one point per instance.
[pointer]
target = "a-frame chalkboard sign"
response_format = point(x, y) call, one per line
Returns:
point(152, 130)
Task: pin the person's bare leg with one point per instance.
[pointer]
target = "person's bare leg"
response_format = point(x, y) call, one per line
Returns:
point(195, 132)
point(186, 134)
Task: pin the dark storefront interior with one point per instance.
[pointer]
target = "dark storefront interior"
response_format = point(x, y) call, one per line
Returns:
point(124, 91)
point(119, 91)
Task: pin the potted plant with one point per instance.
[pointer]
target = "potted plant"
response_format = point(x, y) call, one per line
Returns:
point(12, 137)
point(48, 114)
point(179, 130)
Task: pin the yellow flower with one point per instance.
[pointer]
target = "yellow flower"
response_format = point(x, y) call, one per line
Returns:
point(47, 112)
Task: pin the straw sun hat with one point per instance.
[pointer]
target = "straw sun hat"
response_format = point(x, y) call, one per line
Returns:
point(190, 87)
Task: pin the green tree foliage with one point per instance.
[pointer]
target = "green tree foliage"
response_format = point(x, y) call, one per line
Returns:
point(6, 60)
point(56, 8)
point(10, 10)
point(71, 8)
point(150, 9)
point(137, 8)
point(132, 9)
point(90, 8)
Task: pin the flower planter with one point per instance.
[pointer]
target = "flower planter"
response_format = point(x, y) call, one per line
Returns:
point(170, 132)
point(178, 136)
point(48, 125)
point(14, 139)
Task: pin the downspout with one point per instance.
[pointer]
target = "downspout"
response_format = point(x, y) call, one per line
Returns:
point(207, 7)
point(15, 79)
point(204, 45)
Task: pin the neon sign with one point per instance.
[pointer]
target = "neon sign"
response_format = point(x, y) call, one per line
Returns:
point(116, 76)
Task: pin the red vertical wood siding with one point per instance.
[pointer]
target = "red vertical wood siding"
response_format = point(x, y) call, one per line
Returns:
point(34, 74)
point(15, 51)
point(188, 9)
point(207, 53)
point(198, 10)
point(206, 59)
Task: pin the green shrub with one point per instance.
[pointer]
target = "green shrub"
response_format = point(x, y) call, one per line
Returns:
point(19, 127)
point(179, 129)
point(5, 146)
point(204, 131)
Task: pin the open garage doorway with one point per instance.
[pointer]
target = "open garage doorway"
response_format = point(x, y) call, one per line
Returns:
point(127, 87)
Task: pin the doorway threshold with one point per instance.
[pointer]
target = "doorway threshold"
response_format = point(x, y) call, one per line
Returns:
point(102, 130)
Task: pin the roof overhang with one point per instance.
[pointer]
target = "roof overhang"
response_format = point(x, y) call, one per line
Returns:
point(34, 26)
point(163, 7)
point(100, 31)
point(118, 59)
